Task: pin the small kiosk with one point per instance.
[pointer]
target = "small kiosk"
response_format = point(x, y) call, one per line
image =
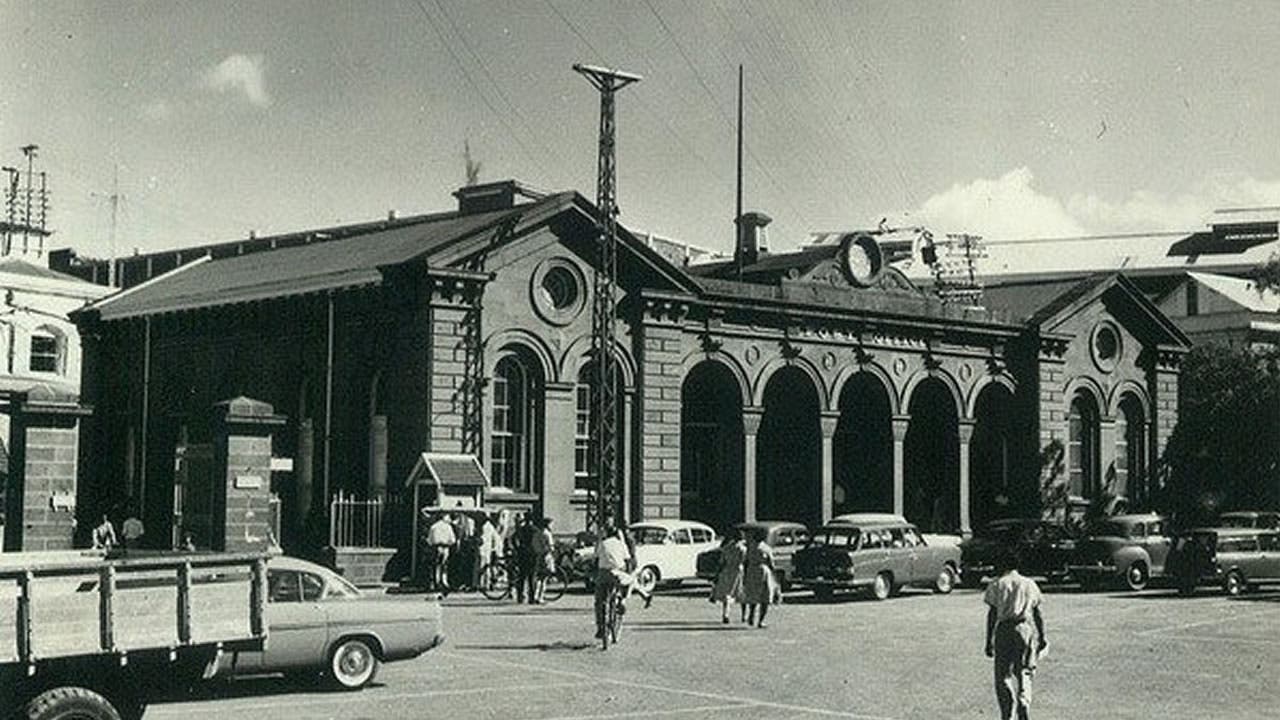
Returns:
point(443, 482)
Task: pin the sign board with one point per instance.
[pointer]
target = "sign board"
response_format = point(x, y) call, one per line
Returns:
point(62, 502)
point(248, 482)
point(281, 464)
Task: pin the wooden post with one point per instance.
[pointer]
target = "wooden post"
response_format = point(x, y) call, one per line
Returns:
point(106, 608)
point(258, 599)
point(184, 603)
point(24, 619)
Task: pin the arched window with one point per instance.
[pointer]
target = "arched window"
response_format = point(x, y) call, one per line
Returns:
point(47, 349)
point(1131, 449)
point(1082, 446)
point(516, 400)
point(584, 456)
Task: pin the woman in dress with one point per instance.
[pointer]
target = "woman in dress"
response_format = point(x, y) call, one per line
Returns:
point(728, 585)
point(758, 579)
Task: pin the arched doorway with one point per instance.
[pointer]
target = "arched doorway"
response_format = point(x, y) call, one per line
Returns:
point(711, 487)
point(993, 493)
point(931, 466)
point(1083, 458)
point(789, 449)
point(1131, 452)
point(862, 476)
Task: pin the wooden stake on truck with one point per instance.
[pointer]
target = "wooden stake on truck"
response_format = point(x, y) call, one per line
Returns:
point(95, 636)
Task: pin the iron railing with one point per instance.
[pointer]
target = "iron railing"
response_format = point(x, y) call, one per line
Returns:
point(355, 522)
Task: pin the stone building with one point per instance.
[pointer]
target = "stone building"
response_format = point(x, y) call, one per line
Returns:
point(791, 385)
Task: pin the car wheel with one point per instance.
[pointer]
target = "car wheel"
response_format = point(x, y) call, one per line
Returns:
point(69, 703)
point(1136, 576)
point(1234, 583)
point(882, 587)
point(352, 664)
point(945, 582)
point(647, 579)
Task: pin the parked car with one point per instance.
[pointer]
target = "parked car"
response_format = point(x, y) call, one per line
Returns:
point(1131, 549)
point(1044, 548)
point(317, 621)
point(1261, 519)
point(862, 518)
point(667, 550)
point(880, 557)
point(1236, 559)
point(784, 536)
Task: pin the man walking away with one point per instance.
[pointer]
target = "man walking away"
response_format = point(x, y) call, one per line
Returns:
point(1013, 605)
point(442, 539)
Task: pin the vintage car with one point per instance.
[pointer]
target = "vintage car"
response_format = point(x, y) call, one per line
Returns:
point(1044, 549)
point(317, 621)
point(784, 536)
point(667, 550)
point(1125, 548)
point(1261, 519)
point(861, 518)
point(1235, 559)
point(880, 557)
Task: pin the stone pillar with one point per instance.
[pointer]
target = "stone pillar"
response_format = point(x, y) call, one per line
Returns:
point(750, 427)
point(304, 474)
point(625, 450)
point(661, 376)
point(900, 424)
point(829, 421)
point(242, 462)
point(44, 432)
point(966, 434)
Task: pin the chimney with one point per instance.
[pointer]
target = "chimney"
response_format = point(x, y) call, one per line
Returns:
point(487, 197)
point(751, 238)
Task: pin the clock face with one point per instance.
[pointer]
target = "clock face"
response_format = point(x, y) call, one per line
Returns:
point(861, 259)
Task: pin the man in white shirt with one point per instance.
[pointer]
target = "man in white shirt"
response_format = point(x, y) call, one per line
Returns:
point(615, 561)
point(1013, 606)
point(441, 538)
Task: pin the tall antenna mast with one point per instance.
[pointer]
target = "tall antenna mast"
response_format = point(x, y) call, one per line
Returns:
point(604, 426)
point(111, 238)
point(738, 258)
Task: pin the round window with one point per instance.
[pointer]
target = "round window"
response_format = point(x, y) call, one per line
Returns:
point(558, 291)
point(1106, 346)
point(560, 288)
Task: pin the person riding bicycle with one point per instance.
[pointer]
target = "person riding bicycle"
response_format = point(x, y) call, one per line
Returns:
point(615, 565)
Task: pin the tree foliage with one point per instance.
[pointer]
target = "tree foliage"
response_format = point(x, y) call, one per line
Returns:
point(1225, 451)
point(1267, 275)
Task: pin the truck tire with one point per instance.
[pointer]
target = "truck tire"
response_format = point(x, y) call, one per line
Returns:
point(70, 703)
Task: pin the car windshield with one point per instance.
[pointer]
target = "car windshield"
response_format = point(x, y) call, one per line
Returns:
point(841, 537)
point(648, 535)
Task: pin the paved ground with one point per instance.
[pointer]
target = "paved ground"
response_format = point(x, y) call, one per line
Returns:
point(1113, 655)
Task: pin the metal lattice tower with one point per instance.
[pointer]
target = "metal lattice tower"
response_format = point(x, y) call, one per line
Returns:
point(605, 503)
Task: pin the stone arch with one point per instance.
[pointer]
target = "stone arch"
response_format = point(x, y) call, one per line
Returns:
point(862, 445)
point(1129, 387)
point(994, 489)
point(507, 340)
point(931, 448)
point(789, 448)
point(575, 357)
point(941, 375)
point(711, 445)
point(983, 383)
point(803, 364)
point(1088, 385)
point(731, 363)
point(871, 368)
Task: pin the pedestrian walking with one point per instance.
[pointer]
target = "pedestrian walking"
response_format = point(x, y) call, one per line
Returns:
point(758, 579)
point(544, 559)
point(728, 584)
point(1015, 636)
point(441, 538)
point(522, 545)
point(488, 547)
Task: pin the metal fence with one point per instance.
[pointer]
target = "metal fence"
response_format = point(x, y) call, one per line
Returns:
point(354, 522)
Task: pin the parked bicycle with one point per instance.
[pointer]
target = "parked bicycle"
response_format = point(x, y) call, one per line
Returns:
point(614, 609)
point(497, 580)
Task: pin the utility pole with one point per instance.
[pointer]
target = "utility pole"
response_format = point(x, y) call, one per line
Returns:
point(114, 200)
point(604, 426)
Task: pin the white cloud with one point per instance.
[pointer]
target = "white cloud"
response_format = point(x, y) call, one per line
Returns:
point(240, 73)
point(1010, 207)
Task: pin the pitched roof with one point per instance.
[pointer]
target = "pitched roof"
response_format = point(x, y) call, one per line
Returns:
point(1239, 291)
point(348, 262)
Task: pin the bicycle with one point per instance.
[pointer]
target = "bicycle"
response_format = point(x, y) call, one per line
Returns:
point(495, 580)
point(614, 609)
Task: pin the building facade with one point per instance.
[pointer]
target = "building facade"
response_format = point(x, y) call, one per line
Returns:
point(795, 385)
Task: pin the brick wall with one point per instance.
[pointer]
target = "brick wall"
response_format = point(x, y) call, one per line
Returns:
point(660, 380)
point(49, 470)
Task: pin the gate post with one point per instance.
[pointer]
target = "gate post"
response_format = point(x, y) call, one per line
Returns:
point(242, 474)
point(44, 441)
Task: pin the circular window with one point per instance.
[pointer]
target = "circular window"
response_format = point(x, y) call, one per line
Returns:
point(1106, 346)
point(558, 291)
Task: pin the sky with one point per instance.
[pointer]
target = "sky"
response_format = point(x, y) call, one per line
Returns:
point(1009, 120)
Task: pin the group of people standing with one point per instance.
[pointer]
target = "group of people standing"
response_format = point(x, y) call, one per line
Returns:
point(746, 577)
point(461, 543)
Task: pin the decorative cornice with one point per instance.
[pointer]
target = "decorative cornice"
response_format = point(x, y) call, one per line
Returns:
point(665, 309)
